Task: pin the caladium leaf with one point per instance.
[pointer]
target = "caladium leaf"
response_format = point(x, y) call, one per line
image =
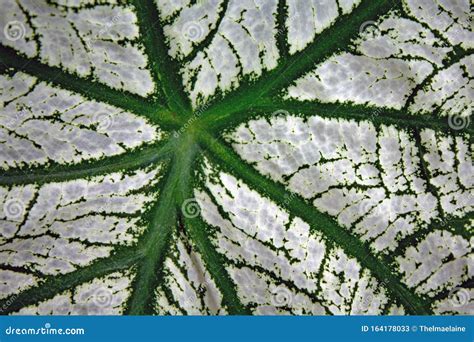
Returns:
point(236, 157)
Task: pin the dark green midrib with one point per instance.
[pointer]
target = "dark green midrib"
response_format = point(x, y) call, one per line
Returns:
point(57, 173)
point(333, 39)
point(266, 107)
point(163, 224)
point(165, 70)
point(121, 260)
point(229, 161)
point(156, 242)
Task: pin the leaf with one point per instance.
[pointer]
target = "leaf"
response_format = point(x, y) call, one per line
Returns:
point(236, 157)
